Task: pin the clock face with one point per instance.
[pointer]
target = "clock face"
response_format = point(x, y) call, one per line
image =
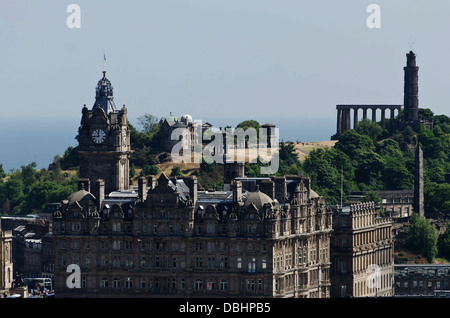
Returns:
point(98, 136)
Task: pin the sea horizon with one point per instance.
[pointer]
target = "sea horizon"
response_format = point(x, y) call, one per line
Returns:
point(28, 140)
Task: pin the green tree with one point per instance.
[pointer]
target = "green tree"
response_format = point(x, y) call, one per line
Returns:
point(2, 172)
point(444, 244)
point(149, 123)
point(249, 124)
point(132, 171)
point(47, 192)
point(28, 176)
point(325, 179)
point(422, 237)
point(353, 144)
point(152, 170)
point(175, 172)
point(426, 114)
point(436, 197)
point(369, 128)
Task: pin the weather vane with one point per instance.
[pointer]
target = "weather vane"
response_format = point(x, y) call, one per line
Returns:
point(411, 43)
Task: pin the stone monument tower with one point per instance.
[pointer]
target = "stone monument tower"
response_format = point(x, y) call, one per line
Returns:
point(411, 90)
point(418, 206)
point(104, 141)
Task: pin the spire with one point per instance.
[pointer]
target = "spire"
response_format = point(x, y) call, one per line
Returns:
point(104, 97)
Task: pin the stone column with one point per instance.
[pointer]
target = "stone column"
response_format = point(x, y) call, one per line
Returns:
point(392, 113)
point(355, 117)
point(339, 121)
point(383, 121)
point(347, 119)
point(374, 114)
point(364, 113)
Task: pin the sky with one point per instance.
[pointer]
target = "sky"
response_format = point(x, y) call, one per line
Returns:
point(286, 62)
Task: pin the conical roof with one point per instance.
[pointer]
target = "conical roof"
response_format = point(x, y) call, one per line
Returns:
point(104, 97)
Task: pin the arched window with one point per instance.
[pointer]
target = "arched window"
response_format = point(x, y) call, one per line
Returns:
point(198, 284)
point(128, 283)
point(210, 284)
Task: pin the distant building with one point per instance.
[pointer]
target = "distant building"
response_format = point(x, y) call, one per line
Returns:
point(188, 131)
point(396, 203)
point(6, 262)
point(32, 246)
point(422, 280)
point(362, 250)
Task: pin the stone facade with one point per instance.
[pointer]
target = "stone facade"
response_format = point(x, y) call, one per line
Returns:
point(174, 241)
point(422, 280)
point(6, 262)
point(396, 203)
point(362, 250)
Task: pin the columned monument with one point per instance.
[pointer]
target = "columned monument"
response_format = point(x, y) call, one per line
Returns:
point(410, 105)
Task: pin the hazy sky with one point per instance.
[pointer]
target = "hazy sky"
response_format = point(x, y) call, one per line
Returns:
point(220, 61)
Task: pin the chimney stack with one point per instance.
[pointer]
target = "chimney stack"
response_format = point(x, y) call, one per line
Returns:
point(99, 192)
point(191, 182)
point(142, 189)
point(237, 191)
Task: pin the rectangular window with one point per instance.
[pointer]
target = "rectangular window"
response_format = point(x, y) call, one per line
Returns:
point(260, 285)
point(223, 262)
point(343, 267)
point(250, 285)
point(210, 228)
point(174, 262)
point(211, 262)
point(198, 262)
point(251, 265)
point(104, 283)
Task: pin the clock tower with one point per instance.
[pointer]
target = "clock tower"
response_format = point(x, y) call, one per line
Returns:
point(104, 141)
